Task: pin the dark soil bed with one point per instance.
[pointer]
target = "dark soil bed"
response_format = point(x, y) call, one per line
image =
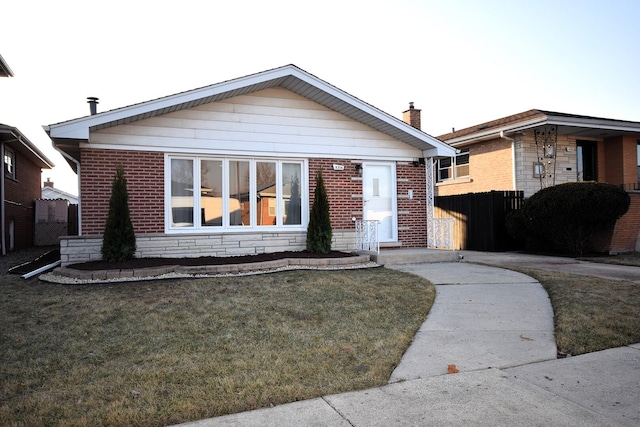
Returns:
point(209, 260)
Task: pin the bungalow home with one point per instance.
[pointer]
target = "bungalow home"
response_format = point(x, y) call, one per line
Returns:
point(19, 188)
point(535, 149)
point(229, 169)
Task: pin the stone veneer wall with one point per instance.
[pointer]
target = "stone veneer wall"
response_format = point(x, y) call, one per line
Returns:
point(78, 249)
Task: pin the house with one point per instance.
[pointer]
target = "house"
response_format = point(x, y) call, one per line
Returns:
point(19, 188)
point(229, 169)
point(535, 149)
point(50, 192)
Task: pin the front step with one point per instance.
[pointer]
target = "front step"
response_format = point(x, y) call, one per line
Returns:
point(414, 256)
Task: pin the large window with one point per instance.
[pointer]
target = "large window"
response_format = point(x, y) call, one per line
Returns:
point(9, 163)
point(454, 167)
point(234, 194)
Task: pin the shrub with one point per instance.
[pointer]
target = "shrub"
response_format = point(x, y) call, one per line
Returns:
point(568, 216)
point(119, 239)
point(319, 231)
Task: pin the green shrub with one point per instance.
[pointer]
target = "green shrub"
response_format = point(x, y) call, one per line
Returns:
point(566, 217)
point(119, 239)
point(319, 231)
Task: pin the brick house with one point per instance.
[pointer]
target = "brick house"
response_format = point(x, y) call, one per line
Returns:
point(536, 149)
point(19, 188)
point(252, 146)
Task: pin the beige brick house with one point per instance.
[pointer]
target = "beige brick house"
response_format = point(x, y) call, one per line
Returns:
point(535, 149)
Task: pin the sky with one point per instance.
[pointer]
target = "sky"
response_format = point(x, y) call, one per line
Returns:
point(462, 62)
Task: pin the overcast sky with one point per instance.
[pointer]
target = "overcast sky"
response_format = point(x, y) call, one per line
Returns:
point(461, 62)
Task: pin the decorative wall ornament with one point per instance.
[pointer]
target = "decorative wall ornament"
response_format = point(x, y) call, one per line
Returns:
point(546, 138)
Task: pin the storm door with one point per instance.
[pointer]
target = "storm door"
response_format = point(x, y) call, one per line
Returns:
point(379, 198)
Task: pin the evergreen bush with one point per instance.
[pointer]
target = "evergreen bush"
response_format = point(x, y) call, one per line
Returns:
point(319, 232)
point(568, 216)
point(119, 239)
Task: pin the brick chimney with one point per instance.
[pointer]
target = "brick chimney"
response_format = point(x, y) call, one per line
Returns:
point(412, 116)
point(49, 183)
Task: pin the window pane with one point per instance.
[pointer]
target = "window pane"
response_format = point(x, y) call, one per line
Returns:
point(239, 185)
point(266, 197)
point(462, 170)
point(182, 193)
point(463, 158)
point(211, 192)
point(292, 211)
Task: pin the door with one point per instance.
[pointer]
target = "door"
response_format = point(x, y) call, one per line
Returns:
point(379, 198)
point(586, 156)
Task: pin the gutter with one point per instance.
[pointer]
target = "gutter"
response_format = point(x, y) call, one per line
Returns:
point(513, 158)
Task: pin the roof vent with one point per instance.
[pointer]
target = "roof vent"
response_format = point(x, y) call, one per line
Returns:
point(93, 104)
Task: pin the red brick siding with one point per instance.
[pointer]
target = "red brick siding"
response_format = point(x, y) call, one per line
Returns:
point(340, 188)
point(343, 206)
point(412, 178)
point(145, 183)
point(21, 193)
point(625, 233)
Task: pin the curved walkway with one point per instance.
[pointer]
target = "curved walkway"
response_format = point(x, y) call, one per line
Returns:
point(483, 317)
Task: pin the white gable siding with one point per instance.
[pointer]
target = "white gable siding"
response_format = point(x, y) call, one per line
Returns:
point(271, 122)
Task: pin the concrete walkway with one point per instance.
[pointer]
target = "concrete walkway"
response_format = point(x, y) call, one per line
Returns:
point(496, 326)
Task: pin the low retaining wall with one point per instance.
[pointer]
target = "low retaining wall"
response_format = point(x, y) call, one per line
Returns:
point(265, 266)
point(78, 249)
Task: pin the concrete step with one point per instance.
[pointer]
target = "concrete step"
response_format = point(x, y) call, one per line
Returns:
point(414, 256)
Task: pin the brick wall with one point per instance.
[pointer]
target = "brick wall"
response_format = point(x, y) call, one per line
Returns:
point(144, 172)
point(490, 168)
point(19, 206)
point(344, 191)
point(627, 228)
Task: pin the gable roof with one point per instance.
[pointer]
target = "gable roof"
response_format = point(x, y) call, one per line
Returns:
point(66, 135)
point(567, 124)
point(5, 71)
point(15, 139)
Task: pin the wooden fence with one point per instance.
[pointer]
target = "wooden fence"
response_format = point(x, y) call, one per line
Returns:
point(480, 219)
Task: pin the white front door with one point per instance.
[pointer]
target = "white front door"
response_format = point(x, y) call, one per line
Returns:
point(379, 198)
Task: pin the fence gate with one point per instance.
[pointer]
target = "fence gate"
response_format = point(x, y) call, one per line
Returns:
point(367, 236)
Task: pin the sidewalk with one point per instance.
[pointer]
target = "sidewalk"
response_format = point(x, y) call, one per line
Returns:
point(496, 327)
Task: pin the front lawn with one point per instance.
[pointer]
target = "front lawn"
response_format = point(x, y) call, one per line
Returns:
point(165, 352)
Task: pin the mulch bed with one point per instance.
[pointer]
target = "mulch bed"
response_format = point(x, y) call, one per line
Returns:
point(209, 260)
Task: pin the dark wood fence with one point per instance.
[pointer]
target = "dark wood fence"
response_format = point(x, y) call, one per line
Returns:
point(480, 218)
point(72, 218)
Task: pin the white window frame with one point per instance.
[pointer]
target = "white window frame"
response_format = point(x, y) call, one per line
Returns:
point(9, 167)
point(226, 227)
point(454, 166)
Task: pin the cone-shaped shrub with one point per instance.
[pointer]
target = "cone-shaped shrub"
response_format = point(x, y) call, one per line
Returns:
point(119, 239)
point(319, 232)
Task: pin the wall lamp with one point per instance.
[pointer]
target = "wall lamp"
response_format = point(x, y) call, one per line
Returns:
point(418, 162)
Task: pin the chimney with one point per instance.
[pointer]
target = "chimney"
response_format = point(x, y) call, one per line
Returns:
point(412, 116)
point(93, 104)
point(49, 183)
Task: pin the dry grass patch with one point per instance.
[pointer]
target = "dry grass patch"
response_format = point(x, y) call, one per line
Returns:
point(158, 353)
point(632, 259)
point(590, 313)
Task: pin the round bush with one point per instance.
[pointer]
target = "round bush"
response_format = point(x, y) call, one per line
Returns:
point(569, 215)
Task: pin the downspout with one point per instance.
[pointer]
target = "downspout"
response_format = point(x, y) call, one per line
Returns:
point(513, 158)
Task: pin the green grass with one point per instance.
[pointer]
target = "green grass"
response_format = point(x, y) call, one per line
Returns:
point(165, 352)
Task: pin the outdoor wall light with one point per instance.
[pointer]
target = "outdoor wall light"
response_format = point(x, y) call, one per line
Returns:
point(418, 162)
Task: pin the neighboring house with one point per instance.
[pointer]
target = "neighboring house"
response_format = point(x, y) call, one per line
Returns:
point(229, 169)
point(19, 188)
point(49, 192)
point(535, 149)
